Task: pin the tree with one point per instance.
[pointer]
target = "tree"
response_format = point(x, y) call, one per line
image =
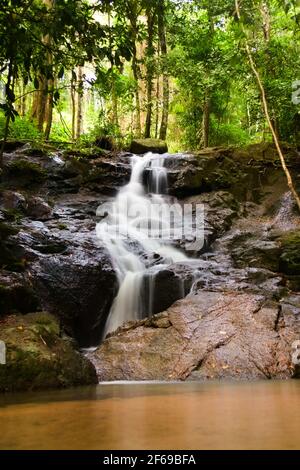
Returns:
point(166, 88)
point(266, 106)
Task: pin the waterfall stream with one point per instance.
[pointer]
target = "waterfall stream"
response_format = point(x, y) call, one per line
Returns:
point(124, 231)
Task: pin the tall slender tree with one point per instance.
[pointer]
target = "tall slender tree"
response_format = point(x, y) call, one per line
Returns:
point(166, 85)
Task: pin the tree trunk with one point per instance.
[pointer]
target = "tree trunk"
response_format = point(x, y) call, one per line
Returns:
point(41, 103)
point(150, 69)
point(166, 85)
point(79, 103)
point(135, 71)
point(266, 109)
point(9, 92)
point(265, 12)
point(205, 123)
point(115, 107)
point(49, 109)
point(157, 107)
point(73, 105)
point(23, 99)
point(42, 109)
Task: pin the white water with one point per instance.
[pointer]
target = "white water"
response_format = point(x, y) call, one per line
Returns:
point(131, 253)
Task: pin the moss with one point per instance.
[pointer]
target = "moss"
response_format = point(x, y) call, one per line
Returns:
point(141, 146)
point(85, 153)
point(62, 227)
point(40, 150)
point(13, 215)
point(6, 231)
point(37, 358)
point(15, 297)
point(290, 257)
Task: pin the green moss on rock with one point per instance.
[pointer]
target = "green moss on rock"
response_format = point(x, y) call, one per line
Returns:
point(141, 146)
point(290, 256)
point(27, 172)
point(37, 358)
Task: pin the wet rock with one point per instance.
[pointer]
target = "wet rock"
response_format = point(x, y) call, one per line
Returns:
point(205, 172)
point(10, 256)
point(38, 209)
point(79, 288)
point(141, 146)
point(24, 172)
point(107, 176)
point(12, 201)
point(290, 254)
point(207, 336)
point(220, 209)
point(38, 358)
point(165, 287)
point(256, 252)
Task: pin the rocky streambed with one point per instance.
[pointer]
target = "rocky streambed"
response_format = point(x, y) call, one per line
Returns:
point(241, 316)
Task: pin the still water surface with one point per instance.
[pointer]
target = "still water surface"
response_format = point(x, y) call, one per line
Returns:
point(262, 415)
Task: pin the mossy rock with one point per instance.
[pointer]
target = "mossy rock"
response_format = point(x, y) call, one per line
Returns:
point(37, 358)
point(290, 256)
point(27, 172)
point(141, 146)
point(16, 296)
point(6, 231)
point(86, 153)
point(12, 145)
point(40, 150)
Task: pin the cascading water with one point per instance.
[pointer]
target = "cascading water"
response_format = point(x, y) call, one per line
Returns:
point(124, 231)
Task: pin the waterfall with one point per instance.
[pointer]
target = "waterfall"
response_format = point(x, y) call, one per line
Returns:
point(124, 231)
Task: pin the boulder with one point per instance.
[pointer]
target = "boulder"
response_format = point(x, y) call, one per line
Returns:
point(79, 288)
point(38, 358)
point(12, 201)
point(38, 209)
point(141, 146)
point(212, 335)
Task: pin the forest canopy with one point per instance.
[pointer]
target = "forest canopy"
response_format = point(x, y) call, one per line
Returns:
point(76, 70)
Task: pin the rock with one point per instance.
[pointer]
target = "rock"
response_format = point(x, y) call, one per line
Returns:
point(202, 173)
point(107, 176)
point(38, 209)
point(10, 256)
point(255, 252)
point(105, 143)
point(141, 146)
point(207, 336)
point(290, 255)
point(38, 358)
point(16, 294)
point(12, 201)
point(220, 210)
point(12, 145)
point(165, 287)
point(79, 288)
point(25, 172)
